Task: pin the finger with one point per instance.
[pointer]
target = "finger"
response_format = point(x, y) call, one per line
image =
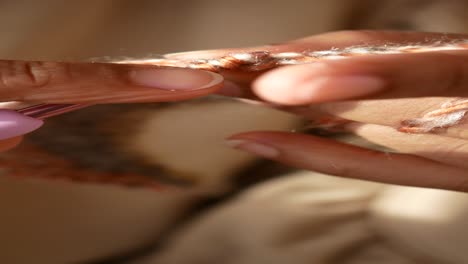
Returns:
point(337, 39)
point(388, 112)
point(55, 82)
point(13, 124)
point(325, 41)
point(10, 143)
point(443, 149)
point(376, 76)
point(339, 159)
point(438, 115)
point(346, 38)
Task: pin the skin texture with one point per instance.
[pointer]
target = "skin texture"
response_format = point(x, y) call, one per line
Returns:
point(374, 93)
point(409, 86)
point(53, 82)
point(96, 83)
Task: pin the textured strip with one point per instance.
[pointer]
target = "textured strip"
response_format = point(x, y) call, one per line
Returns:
point(264, 60)
point(449, 114)
point(253, 61)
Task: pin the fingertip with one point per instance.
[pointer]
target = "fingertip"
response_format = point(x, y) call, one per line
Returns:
point(281, 85)
point(315, 83)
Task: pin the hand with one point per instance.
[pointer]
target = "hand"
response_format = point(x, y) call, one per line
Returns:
point(411, 92)
point(48, 82)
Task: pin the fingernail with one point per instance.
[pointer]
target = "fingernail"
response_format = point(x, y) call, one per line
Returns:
point(175, 78)
point(331, 88)
point(13, 124)
point(253, 147)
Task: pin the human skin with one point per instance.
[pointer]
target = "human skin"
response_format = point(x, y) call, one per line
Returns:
point(94, 83)
point(375, 94)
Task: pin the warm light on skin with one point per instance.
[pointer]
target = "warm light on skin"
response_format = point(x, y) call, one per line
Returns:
point(260, 60)
point(7, 144)
point(13, 105)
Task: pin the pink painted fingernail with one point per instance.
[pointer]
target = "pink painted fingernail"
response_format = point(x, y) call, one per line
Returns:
point(174, 78)
point(13, 124)
point(254, 148)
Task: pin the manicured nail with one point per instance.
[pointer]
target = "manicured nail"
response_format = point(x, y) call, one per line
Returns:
point(253, 147)
point(13, 124)
point(175, 78)
point(331, 88)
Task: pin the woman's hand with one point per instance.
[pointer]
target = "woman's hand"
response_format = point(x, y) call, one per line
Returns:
point(50, 82)
point(422, 93)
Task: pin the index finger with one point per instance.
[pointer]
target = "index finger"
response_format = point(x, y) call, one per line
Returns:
point(60, 82)
point(243, 65)
point(443, 73)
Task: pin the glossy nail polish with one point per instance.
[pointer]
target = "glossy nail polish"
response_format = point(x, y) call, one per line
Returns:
point(14, 124)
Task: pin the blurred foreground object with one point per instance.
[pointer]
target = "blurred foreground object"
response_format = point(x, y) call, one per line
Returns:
point(61, 222)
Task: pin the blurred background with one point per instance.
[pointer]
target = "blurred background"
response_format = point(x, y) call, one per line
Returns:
point(218, 219)
point(63, 30)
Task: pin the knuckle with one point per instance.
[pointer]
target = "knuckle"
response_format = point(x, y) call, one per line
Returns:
point(15, 75)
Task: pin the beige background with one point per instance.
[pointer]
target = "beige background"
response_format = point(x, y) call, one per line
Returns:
point(44, 222)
